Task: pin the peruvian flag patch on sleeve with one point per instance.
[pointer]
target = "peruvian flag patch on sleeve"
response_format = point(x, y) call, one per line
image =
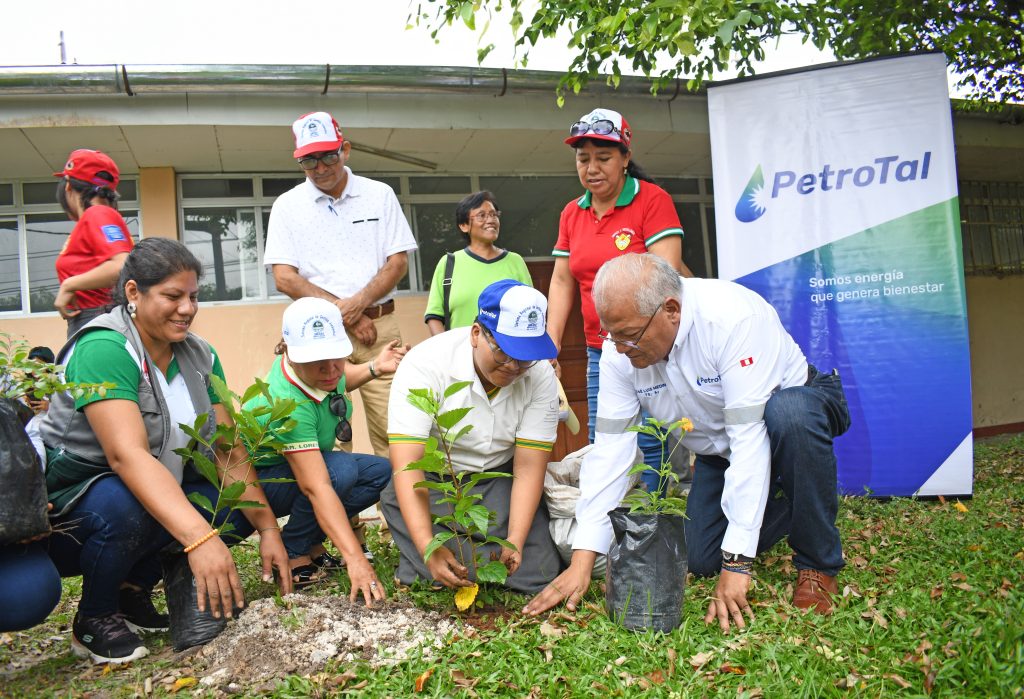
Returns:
point(747, 362)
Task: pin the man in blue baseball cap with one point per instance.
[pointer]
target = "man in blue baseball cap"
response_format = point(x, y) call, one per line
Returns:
point(513, 401)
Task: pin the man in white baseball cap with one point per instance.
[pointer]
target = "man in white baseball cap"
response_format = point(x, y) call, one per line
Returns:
point(514, 413)
point(343, 238)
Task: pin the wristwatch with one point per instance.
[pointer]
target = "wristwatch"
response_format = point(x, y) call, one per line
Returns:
point(735, 557)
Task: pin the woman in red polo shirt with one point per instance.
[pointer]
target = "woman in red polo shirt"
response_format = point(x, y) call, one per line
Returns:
point(622, 211)
point(94, 253)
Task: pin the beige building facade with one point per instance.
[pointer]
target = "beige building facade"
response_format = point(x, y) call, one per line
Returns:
point(204, 150)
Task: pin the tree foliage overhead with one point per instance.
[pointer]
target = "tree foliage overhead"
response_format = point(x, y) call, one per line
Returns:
point(697, 40)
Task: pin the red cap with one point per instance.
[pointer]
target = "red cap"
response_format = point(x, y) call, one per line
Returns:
point(316, 132)
point(91, 166)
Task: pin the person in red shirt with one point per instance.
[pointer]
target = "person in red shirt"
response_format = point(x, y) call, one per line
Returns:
point(622, 211)
point(94, 253)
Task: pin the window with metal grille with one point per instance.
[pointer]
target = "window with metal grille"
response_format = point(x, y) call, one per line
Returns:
point(992, 222)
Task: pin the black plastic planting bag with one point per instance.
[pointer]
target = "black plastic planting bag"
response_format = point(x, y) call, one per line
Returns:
point(22, 483)
point(646, 570)
point(189, 626)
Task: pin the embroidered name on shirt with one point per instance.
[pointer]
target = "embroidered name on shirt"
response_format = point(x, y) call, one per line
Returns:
point(649, 391)
point(701, 380)
point(747, 362)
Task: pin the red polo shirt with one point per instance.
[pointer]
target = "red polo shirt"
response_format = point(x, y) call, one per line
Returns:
point(643, 214)
point(99, 234)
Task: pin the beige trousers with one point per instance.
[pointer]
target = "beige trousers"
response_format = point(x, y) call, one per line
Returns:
point(375, 393)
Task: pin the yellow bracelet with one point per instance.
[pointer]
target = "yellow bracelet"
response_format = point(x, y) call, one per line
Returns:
point(202, 540)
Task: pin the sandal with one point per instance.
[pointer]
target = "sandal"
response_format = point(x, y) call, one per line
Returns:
point(306, 575)
point(328, 563)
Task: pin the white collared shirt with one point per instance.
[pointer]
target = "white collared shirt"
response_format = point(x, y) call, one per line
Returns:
point(731, 353)
point(524, 414)
point(338, 244)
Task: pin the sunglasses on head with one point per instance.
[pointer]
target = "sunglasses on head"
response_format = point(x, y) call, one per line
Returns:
point(309, 162)
point(601, 127)
point(338, 407)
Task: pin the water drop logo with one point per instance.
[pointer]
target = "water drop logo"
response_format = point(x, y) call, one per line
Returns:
point(752, 205)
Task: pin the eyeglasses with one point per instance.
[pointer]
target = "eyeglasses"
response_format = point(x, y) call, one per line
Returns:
point(601, 127)
point(339, 406)
point(501, 359)
point(484, 217)
point(310, 161)
point(631, 344)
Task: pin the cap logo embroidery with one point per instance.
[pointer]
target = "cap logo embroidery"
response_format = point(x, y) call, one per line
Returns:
point(318, 329)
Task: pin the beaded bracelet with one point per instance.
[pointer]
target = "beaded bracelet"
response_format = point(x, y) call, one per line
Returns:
point(202, 540)
point(742, 567)
point(373, 371)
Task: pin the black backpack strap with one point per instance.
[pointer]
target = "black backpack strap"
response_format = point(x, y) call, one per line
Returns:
point(446, 289)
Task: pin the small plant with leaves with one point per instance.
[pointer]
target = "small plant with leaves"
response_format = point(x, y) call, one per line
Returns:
point(20, 376)
point(245, 429)
point(666, 498)
point(468, 519)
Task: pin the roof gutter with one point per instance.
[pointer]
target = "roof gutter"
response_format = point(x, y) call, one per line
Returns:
point(148, 79)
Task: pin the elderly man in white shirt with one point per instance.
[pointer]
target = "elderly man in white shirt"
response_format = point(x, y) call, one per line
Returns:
point(764, 423)
point(513, 398)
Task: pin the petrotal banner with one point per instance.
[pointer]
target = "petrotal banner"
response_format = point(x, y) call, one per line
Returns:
point(836, 200)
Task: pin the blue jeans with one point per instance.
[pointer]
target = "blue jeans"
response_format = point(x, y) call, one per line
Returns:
point(650, 446)
point(803, 501)
point(29, 586)
point(356, 478)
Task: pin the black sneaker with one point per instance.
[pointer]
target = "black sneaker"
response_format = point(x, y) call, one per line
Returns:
point(105, 639)
point(139, 613)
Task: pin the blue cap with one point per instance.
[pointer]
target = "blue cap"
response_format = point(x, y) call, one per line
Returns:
point(516, 316)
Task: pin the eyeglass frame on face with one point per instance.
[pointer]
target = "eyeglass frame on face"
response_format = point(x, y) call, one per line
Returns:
point(575, 129)
point(631, 344)
point(343, 430)
point(335, 155)
point(495, 351)
point(485, 216)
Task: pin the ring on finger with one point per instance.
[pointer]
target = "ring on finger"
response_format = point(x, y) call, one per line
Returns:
point(373, 583)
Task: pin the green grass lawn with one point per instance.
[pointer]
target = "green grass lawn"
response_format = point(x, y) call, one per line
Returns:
point(931, 605)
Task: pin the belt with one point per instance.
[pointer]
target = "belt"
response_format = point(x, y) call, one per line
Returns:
point(380, 310)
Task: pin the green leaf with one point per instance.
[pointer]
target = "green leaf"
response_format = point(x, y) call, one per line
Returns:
point(234, 491)
point(450, 418)
point(440, 486)
point(205, 467)
point(467, 15)
point(202, 501)
point(435, 543)
point(480, 516)
point(492, 572)
point(456, 387)
point(247, 504)
point(222, 391)
point(505, 543)
point(460, 434)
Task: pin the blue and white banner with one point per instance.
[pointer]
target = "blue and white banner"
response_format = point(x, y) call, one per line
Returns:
point(836, 200)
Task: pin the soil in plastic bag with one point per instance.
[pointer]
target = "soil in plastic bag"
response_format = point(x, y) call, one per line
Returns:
point(646, 570)
point(22, 483)
point(189, 626)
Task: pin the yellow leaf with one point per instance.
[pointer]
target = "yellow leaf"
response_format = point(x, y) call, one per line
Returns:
point(465, 596)
point(421, 681)
point(183, 682)
point(960, 506)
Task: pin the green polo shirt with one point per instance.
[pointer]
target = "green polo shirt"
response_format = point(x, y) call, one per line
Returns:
point(314, 422)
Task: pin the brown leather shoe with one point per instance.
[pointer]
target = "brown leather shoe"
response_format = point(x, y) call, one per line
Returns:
point(814, 590)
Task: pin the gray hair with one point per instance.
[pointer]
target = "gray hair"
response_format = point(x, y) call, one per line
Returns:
point(650, 279)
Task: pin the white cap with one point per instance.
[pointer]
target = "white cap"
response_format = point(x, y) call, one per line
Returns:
point(315, 132)
point(313, 330)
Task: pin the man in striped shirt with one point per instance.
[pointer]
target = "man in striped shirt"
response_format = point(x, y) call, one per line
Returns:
point(513, 400)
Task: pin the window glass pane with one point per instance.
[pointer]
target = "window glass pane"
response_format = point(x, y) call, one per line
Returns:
point(224, 240)
point(128, 189)
point(276, 186)
point(394, 182)
point(436, 234)
point(271, 287)
point(693, 238)
point(216, 188)
point(709, 185)
point(6, 194)
point(530, 207)
point(10, 271)
point(438, 185)
point(679, 185)
point(712, 241)
point(39, 192)
point(45, 235)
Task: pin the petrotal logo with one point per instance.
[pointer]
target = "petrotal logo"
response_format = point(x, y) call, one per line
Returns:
point(756, 198)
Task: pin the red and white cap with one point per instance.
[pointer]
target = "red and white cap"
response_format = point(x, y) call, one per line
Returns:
point(315, 132)
point(91, 166)
point(620, 134)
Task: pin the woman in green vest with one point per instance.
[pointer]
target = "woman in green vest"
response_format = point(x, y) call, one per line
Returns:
point(113, 477)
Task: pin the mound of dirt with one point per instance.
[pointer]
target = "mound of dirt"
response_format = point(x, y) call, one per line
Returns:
point(269, 641)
